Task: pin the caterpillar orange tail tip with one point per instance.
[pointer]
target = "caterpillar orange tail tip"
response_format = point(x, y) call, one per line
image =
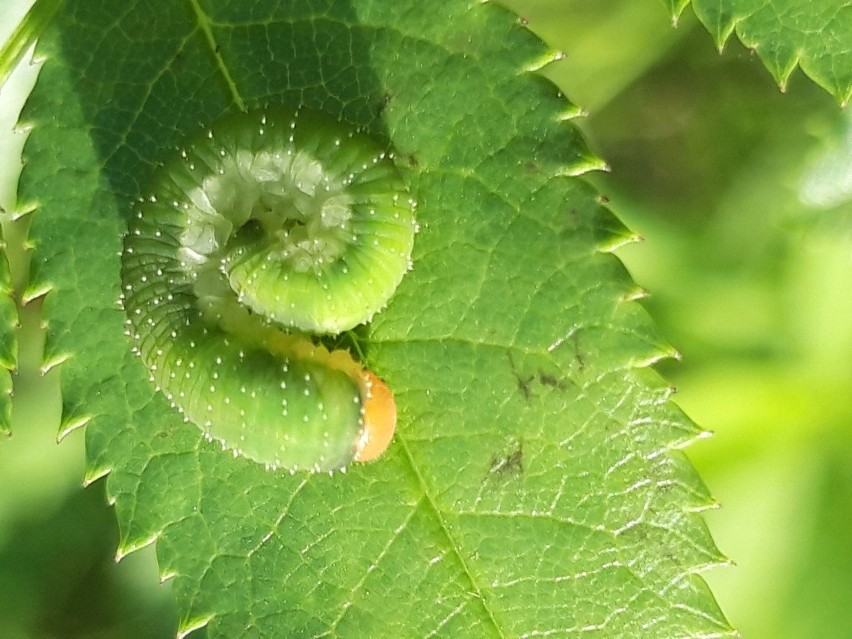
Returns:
point(379, 418)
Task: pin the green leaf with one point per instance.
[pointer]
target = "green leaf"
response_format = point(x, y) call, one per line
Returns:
point(533, 488)
point(25, 34)
point(8, 340)
point(788, 33)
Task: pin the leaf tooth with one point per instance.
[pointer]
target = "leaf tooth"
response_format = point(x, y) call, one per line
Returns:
point(677, 11)
point(784, 74)
point(167, 575)
point(582, 165)
point(69, 425)
point(571, 112)
point(51, 362)
point(24, 125)
point(635, 295)
point(707, 503)
point(125, 546)
point(615, 240)
point(34, 291)
point(188, 626)
point(548, 57)
point(93, 474)
point(665, 352)
point(723, 31)
point(22, 209)
point(684, 443)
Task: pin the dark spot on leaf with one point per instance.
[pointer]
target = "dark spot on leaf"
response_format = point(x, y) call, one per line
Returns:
point(524, 386)
point(523, 383)
point(547, 379)
point(526, 383)
point(383, 103)
point(508, 464)
point(578, 355)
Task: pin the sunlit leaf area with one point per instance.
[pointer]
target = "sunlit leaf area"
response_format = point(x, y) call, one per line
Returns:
point(741, 194)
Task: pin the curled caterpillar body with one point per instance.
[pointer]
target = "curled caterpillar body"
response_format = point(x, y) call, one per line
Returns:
point(272, 226)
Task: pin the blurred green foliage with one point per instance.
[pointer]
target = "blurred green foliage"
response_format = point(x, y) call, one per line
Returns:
point(58, 575)
point(742, 195)
point(739, 193)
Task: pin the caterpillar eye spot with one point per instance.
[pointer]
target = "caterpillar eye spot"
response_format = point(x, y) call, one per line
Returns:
point(247, 234)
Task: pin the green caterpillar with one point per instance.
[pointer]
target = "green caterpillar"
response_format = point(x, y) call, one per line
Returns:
point(272, 226)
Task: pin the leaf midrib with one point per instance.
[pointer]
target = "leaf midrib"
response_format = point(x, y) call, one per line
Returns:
point(454, 546)
point(204, 23)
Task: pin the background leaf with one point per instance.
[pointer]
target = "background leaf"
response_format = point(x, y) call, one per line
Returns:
point(532, 487)
point(8, 342)
point(787, 33)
